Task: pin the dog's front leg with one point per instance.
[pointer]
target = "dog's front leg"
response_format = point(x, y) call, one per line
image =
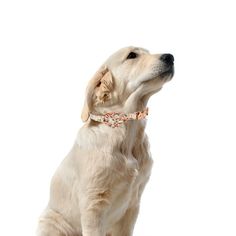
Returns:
point(125, 226)
point(92, 224)
point(93, 212)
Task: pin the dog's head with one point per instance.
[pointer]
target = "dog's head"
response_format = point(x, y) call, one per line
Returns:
point(131, 75)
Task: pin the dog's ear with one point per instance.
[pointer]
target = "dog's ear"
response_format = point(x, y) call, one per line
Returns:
point(98, 91)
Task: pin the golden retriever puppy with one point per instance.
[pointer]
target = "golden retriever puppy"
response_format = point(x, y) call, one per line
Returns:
point(96, 190)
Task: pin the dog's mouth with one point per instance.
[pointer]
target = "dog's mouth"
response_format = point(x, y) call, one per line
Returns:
point(168, 73)
point(163, 72)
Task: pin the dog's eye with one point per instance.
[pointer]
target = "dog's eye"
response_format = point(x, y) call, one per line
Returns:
point(132, 55)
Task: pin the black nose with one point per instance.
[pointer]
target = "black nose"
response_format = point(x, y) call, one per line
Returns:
point(167, 58)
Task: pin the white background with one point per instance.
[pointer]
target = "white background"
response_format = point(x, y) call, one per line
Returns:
point(48, 52)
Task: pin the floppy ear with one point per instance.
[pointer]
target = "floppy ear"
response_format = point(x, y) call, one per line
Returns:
point(98, 91)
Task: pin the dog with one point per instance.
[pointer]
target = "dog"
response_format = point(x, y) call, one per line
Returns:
point(97, 188)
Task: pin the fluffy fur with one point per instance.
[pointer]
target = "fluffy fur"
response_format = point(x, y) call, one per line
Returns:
point(97, 188)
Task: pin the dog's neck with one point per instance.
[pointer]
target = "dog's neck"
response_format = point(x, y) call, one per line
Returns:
point(114, 116)
point(125, 138)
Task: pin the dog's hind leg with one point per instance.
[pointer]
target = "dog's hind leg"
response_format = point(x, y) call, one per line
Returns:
point(51, 223)
point(48, 230)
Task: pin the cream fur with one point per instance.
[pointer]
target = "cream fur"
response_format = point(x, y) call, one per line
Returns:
point(97, 188)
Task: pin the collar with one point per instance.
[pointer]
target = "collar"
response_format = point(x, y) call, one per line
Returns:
point(115, 119)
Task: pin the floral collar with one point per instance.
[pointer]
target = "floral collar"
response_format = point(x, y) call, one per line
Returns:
point(115, 119)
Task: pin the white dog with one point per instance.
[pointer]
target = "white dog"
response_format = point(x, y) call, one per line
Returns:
point(96, 190)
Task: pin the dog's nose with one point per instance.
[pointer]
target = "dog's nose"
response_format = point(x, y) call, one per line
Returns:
point(167, 58)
